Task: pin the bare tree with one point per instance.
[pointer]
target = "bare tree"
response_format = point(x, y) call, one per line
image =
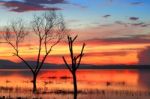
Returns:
point(50, 30)
point(75, 62)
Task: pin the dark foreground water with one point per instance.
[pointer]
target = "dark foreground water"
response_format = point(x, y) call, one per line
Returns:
point(92, 84)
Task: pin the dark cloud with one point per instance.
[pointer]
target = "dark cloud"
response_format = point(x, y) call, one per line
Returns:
point(46, 1)
point(106, 16)
point(141, 24)
point(133, 18)
point(119, 53)
point(31, 5)
point(135, 23)
point(145, 25)
point(141, 39)
point(144, 56)
point(121, 23)
point(136, 3)
point(22, 7)
point(127, 40)
point(138, 24)
point(79, 6)
point(108, 53)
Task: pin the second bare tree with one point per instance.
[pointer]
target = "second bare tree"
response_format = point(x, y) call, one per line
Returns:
point(75, 62)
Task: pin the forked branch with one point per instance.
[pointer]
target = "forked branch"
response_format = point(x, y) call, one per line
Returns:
point(75, 60)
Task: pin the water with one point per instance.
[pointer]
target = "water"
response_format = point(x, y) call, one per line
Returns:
point(90, 83)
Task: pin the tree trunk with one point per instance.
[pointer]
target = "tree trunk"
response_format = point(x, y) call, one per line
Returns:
point(34, 83)
point(75, 85)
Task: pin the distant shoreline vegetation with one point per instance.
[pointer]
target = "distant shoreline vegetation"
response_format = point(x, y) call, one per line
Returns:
point(5, 64)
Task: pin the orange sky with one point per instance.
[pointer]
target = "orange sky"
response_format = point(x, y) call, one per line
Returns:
point(96, 52)
point(112, 37)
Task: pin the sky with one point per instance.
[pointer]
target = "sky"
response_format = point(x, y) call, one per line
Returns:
point(115, 31)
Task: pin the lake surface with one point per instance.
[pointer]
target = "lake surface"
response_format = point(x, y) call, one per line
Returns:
point(88, 80)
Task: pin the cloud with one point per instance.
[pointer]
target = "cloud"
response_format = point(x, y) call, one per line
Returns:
point(144, 56)
point(46, 1)
point(105, 25)
point(106, 16)
point(121, 23)
point(141, 24)
point(72, 21)
point(136, 3)
point(138, 24)
point(108, 53)
point(133, 39)
point(79, 6)
point(145, 25)
point(133, 18)
point(134, 23)
point(31, 5)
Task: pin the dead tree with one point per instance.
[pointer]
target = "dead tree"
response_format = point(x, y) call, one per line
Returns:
point(50, 30)
point(75, 62)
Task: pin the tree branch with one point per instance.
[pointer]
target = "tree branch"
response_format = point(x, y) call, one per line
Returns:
point(81, 55)
point(39, 54)
point(67, 64)
point(43, 60)
point(25, 62)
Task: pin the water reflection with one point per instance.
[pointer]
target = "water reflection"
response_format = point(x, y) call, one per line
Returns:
point(87, 79)
point(144, 78)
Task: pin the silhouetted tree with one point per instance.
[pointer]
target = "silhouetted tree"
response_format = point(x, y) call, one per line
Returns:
point(75, 62)
point(49, 28)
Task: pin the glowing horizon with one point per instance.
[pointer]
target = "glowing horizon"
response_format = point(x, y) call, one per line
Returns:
point(115, 31)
